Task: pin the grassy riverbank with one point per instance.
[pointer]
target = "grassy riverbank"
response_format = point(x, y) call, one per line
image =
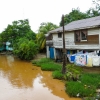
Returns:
point(78, 83)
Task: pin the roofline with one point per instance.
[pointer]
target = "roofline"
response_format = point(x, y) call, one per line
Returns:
point(75, 29)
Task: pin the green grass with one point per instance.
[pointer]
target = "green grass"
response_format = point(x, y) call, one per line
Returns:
point(86, 86)
point(57, 75)
point(74, 88)
point(41, 61)
point(47, 64)
point(50, 66)
point(91, 79)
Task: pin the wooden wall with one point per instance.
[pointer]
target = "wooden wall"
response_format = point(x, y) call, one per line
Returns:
point(91, 39)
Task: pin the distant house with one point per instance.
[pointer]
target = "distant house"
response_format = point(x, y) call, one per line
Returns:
point(79, 35)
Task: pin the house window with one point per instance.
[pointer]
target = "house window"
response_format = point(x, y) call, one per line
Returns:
point(84, 35)
point(80, 35)
point(77, 36)
point(59, 35)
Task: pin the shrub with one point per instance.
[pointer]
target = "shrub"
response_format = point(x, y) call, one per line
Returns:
point(25, 49)
point(57, 75)
point(73, 72)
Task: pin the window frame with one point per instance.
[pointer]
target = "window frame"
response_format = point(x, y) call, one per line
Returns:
point(78, 33)
point(59, 35)
point(85, 32)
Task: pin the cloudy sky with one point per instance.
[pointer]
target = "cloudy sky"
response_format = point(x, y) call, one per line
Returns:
point(38, 11)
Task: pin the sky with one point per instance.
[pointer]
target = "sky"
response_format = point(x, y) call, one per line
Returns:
point(38, 11)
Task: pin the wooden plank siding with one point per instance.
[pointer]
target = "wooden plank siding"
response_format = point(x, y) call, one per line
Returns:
point(91, 39)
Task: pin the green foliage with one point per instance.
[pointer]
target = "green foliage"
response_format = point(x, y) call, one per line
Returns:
point(23, 39)
point(78, 89)
point(73, 72)
point(47, 64)
point(74, 15)
point(18, 29)
point(91, 79)
point(44, 29)
point(50, 66)
point(85, 87)
point(57, 75)
point(92, 12)
point(25, 49)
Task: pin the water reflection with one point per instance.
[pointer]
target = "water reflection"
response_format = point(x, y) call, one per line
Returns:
point(20, 80)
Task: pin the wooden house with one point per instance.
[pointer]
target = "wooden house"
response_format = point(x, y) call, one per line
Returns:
point(79, 35)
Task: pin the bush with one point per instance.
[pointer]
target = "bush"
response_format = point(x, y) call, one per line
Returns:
point(50, 66)
point(77, 89)
point(57, 75)
point(73, 72)
point(25, 49)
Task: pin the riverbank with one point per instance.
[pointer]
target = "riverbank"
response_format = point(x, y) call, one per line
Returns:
point(6, 53)
point(85, 69)
point(20, 80)
point(78, 79)
point(39, 56)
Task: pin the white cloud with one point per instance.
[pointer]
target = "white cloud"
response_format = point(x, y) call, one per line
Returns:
point(38, 11)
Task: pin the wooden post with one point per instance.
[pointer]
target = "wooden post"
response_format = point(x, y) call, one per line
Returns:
point(64, 49)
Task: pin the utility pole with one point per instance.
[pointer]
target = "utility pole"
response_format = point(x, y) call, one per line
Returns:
point(64, 49)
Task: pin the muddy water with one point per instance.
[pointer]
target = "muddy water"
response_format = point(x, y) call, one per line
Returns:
point(21, 80)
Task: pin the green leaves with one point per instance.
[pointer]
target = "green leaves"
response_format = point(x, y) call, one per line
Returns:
point(22, 38)
point(74, 15)
point(25, 49)
point(44, 29)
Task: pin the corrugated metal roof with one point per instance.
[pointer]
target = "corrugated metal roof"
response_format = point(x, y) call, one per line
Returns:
point(80, 24)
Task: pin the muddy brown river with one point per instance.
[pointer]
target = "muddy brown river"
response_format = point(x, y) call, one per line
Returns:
point(20, 80)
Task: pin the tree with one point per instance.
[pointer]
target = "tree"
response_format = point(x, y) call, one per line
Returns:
point(25, 49)
point(18, 29)
point(92, 12)
point(22, 38)
point(74, 15)
point(96, 3)
point(44, 29)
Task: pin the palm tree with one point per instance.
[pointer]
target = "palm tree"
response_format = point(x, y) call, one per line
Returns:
point(44, 29)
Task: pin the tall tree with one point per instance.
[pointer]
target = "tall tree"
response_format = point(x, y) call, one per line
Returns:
point(18, 29)
point(92, 12)
point(44, 29)
point(74, 15)
point(22, 38)
point(97, 4)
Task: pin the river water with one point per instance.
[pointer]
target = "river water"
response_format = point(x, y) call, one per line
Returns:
point(20, 80)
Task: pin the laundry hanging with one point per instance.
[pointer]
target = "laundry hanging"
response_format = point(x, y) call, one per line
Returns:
point(89, 61)
point(95, 60)
point(81, 59)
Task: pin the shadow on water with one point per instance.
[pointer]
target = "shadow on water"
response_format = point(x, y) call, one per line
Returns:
point(20, 80)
